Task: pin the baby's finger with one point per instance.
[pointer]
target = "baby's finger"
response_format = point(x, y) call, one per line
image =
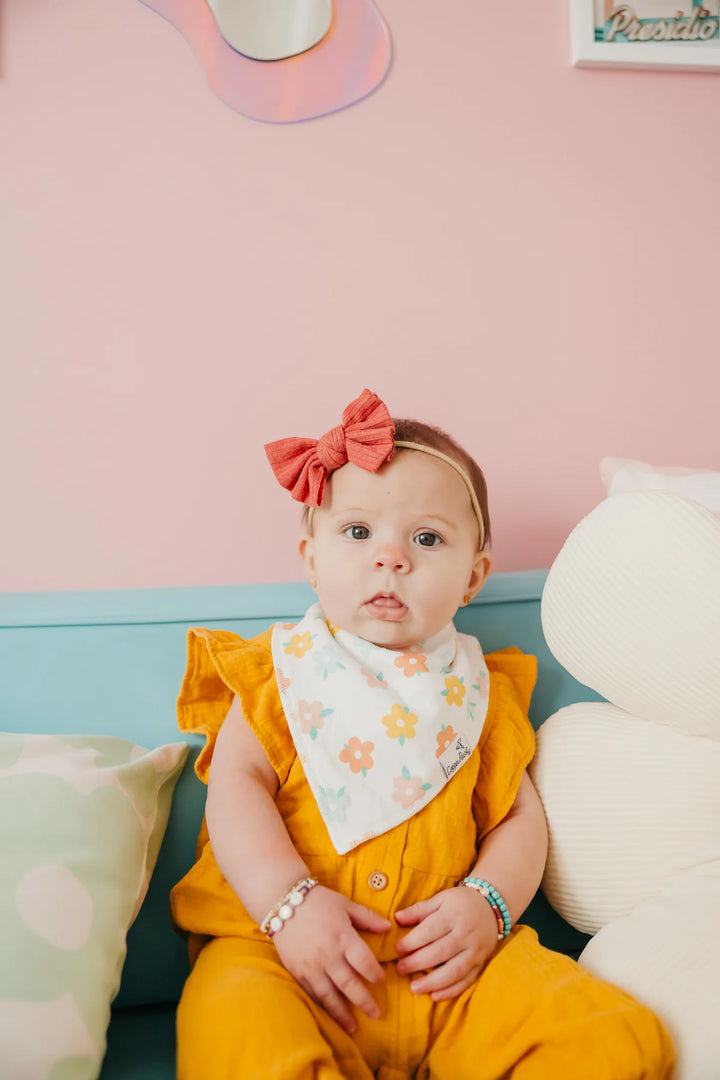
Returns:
point(455, 989)
point(363, 918)
point(412, 915)
point(437, 952)
point(354, 989)
point(327, 994)
point(433, 927)
point(452, 971)
point(359, 957)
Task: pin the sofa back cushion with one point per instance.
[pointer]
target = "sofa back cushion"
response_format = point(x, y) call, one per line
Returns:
point(112, 663)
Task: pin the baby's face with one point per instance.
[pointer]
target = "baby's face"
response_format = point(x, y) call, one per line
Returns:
point(394, 552)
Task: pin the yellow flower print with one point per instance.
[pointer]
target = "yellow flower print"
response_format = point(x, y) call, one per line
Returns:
point(299, 644)
point(455, 690)
point(400, 723)
point(332, 627)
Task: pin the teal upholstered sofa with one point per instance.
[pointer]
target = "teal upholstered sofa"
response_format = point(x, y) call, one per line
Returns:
point(112, 662)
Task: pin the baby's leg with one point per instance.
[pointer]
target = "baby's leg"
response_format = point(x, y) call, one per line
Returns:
point(535, 1014)
point(242, 1016)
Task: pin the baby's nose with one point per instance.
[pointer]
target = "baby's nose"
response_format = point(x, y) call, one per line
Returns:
point(392, 557)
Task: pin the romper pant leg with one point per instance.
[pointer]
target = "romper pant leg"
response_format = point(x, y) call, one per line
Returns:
point(242, 1016)
point(535, 1015)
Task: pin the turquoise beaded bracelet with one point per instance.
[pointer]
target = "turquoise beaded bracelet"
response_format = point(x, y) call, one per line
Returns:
point(495, 901)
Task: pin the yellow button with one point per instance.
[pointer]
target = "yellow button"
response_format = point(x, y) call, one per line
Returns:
point(378, 881)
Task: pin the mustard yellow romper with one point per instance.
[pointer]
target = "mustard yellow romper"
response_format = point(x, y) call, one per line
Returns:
point(532, 1014)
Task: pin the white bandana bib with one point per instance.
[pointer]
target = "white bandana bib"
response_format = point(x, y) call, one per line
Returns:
point(379, 732)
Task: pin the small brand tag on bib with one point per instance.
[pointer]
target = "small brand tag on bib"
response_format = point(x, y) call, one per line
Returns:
point(453, 757)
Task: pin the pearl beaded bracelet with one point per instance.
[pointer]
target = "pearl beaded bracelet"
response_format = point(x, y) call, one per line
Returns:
point(495, 901)
point(285, 907)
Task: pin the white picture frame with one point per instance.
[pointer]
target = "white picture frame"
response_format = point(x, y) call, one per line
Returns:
point(605, 34)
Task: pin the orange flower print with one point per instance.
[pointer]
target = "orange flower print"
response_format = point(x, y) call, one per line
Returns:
point(362, 839)
point(332, 627)
point(299, 644)
point(482, 683)
point(412, 661)
point(310, 716)
point(357, 755)
point(408, 789)
point(454, 690)
point(282, 680)
point(400, 723)
point(373, 679)
point(444, 738)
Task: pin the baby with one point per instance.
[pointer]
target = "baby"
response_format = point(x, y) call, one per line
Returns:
point(371, 835)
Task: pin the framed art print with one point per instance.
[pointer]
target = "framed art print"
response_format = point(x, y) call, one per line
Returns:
point(667, 34)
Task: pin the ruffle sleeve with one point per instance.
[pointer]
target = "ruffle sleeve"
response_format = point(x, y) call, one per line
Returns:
point(507, 742)
point(221, 665)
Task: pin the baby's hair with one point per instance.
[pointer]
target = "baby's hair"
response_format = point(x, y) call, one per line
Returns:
point(436, 439)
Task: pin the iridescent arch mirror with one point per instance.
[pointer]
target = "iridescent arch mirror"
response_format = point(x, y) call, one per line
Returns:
point(285, 60)
point(272, 29)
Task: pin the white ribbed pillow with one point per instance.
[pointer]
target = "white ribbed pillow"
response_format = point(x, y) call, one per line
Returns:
point(631, 608)
point(633, 809)
point(667, 954)
point(631, 789)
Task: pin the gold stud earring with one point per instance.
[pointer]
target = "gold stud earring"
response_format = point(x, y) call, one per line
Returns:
point(466, 599)
point(314, 585)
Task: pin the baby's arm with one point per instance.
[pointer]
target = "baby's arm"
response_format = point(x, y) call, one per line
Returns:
point(455, 933)
point(319, 945)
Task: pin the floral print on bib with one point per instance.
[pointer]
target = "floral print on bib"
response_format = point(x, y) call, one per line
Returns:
point(379, 732)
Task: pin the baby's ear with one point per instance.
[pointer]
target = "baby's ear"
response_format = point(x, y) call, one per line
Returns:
point(480, 570)
point(307, 554)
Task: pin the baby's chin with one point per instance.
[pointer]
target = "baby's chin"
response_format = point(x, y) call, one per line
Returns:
point(385, 635)
point(396, 647)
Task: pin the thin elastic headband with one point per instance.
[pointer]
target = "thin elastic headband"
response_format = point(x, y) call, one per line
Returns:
point(402, 445)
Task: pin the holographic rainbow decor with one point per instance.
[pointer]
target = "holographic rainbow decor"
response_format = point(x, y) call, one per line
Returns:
point(285, 60)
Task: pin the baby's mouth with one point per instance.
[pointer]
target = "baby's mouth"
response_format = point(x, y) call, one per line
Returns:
point(387, 606)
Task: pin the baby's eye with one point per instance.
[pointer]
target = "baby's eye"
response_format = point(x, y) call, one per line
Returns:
point(357, 532)
point(428, 539)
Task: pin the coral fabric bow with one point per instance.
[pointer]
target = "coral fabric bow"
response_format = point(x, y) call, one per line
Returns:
point(365, 437)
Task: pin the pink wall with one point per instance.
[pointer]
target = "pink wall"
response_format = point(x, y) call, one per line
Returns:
point(520, 251)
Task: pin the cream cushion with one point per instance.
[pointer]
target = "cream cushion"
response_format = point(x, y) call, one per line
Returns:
point(631, 786)
point(623, 475)
point(631, 608)
point(667, 954)
point(633, 808)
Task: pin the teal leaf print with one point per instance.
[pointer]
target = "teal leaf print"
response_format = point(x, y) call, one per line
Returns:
point(334, 805)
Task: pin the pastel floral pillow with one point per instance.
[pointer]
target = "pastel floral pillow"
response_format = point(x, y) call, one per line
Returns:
point(81, 823)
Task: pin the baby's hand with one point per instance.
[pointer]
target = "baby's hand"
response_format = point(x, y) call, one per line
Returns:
point(321, 948)
point(454, 937)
